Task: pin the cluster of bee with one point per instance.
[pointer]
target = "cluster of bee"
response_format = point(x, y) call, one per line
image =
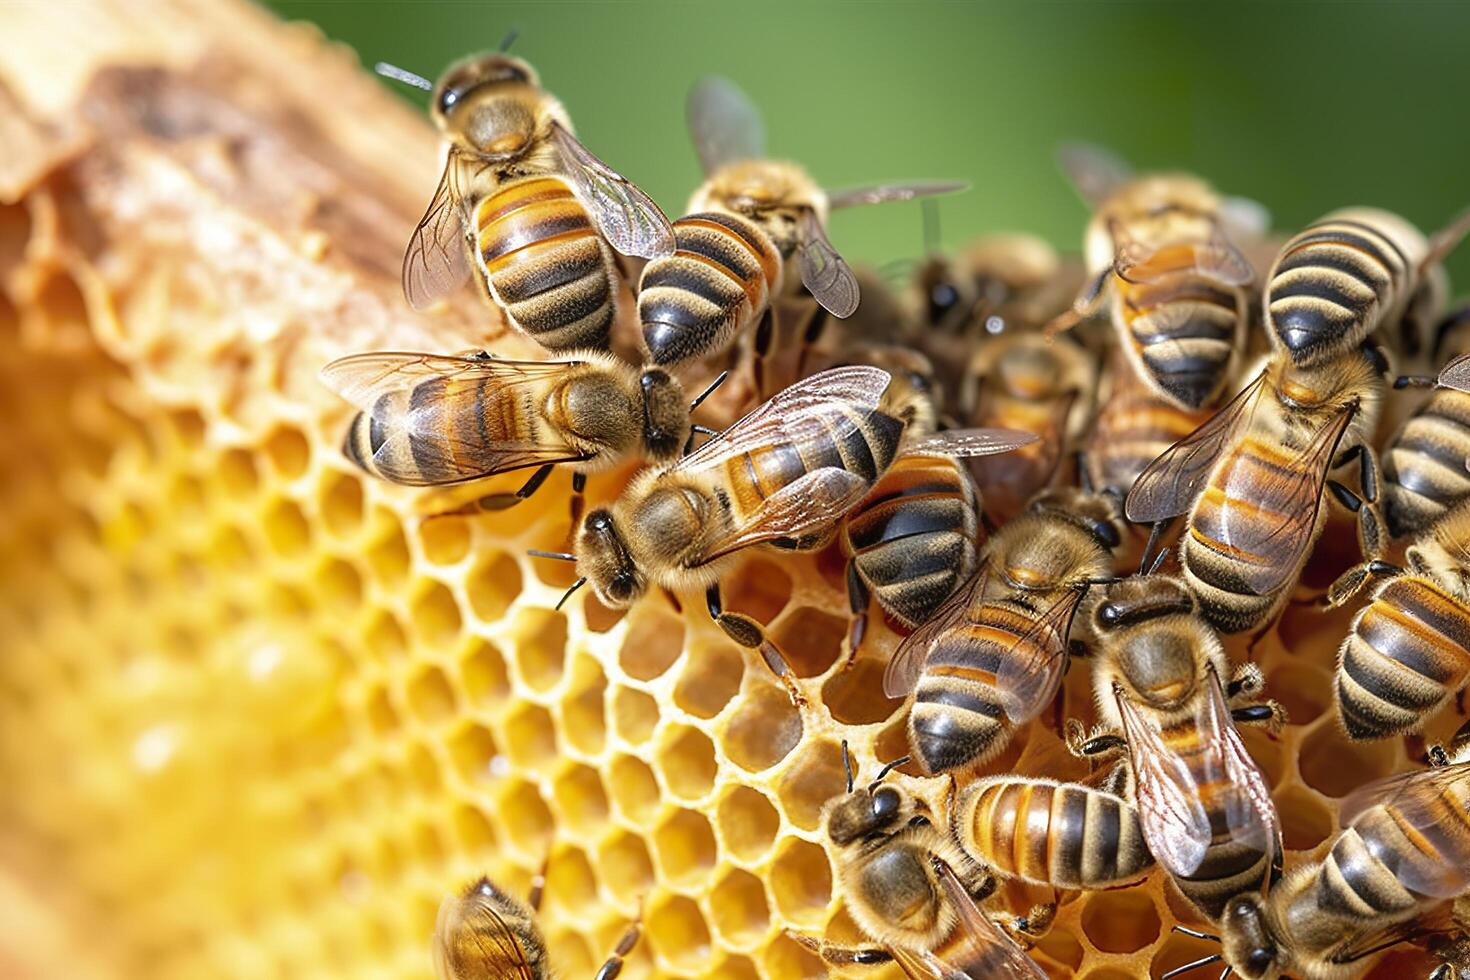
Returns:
point(999, 568)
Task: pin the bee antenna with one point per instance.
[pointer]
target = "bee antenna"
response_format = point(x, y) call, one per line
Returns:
point(556, 555)
point(1153, 538)
point(1226, 972)
point(847, 765)
point(1197, 934)
point(1158, 560)
point(509, 39)
point(1206, 961)
point(403, 75)
point(889, 768)
point(709, 390)
point(568, 593)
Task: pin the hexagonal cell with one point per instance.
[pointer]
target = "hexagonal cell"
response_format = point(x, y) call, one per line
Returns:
point(1267, 750)
point(382, 717)
point(635, 714)
point(340, 503)
point(383, 635)
point(288, 451)
point(580, 799)
point(530, 737)
point(1321, 761)
point(435, 615)
point(738, 906)
point(428, 846)
point(633, 787)
point(525, 818)
point(1177, 950)
point(286, 529)
point(1120, 921)
point(1062, 948)
point(423, 770)
point(1305, 821)
point(1108, 973)
point(474, 831)
point(235, 472)
point(541, 647)
point(492, 585)
point(759, 588)
point(582, 710)
point(475, 753)
point(571, 954)
point(444, 540)
point(570, 881)
point(600, 618)
point(801, 882)
point(1303, 690)
point(388, 556)
point(855, 695)
point(764, 729)
point(486, 680)
point(687, 760)
point(815, 777)
point(653, 642)
point(811, 640)
point(429, 696)
point(678, 931)
point(625, 865)
point(786, 959)
point(340, 584)
point(711, 677)
point(685, 846)
point(747, 822)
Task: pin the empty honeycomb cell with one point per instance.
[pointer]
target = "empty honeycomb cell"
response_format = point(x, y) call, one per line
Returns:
point(653, 641)
point(855, 695)
point(288, 451)
point(685, 846)
point(600, 618)
point(525, 817)
point(388, 861)
point(444, 541)
point(1304, 690)
point(475, 754)
point(748, 822)
point(15, 232)
point(816, 776)
point(340, 583)
point(738, 907)
point(484, 673)
point(388, 555)
point(786, 959)
point(430, 696)
point(230, 548)
point(763, 731)
point(530, 737)
point(236, 473)
point(188, 428)
point(541, 647)
point(1321, 761)
point(678, 933)
point(424, 770)
point(582, 718)
point(1061, 947)
point(186, 497)
point(340, 497)
point(492, 585)
point(801, 882)
point(384, 637)
point(625, 866)
point(435, 615)
point(286, 528)
point(811, 640)
point(1108, 973)
point(381, 715)
point(580, 798)
point(571, 954)
point(633, 787)
point(759, 588)
point(1177, 950)
point(1120, 921)
point(473, 832)
point(710, 679)
point(1267, 750)
point(65, 321)
point(635, 714)
point(736, 968)
point(1305, 821)
point(570, 881)
point(686, 758)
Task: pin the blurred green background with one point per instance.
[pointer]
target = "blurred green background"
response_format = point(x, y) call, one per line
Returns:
point(1304, 107)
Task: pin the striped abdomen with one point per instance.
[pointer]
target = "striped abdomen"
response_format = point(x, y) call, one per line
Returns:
point(1008, 482)
point(1182, 325)
point(913, 538)
point(477, 422)
point(1335, 280)
point(721, 277)
point(1060, 834)
point(545, 264)
point(1424, 464)
point(1408, 653)
point(1133, 428)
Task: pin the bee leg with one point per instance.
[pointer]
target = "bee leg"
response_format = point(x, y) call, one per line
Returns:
point(579, 502)
point(836, 955)
point(502, 501)
point(1029, 927)
point(748, 633)
point(765, 333)
point(1090, 745)
point(857, 602)
point(615, 960)
point(1249, 682)
point(1349, 582)
point(816, 325)
point(1414, 381)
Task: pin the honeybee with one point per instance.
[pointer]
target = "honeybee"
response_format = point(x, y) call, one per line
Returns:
point(992, 657)
point(1408, 652)
point(747, 221)
point(1424, 472)
point(486, 934)
point(913, 890)
point(1203, 804)
point(998, 282)
point(525, 206)
point(1404, 849)
point(431, 420)
point(783, 476)
point(1159, 250)
point(1252, 477)
point(1066, 835)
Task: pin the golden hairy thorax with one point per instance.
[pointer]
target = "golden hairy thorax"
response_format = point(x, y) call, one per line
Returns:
point(258, 719)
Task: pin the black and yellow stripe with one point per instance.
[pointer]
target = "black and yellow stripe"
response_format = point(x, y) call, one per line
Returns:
point(1133, 428)
point(1424, 471)
point(722, 275)
point(546, 265)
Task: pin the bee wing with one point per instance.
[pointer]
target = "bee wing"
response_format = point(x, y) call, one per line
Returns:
point(1456, 374)
point(1028, 678)
point(625, 216)
point(1250, 813)
point(824, 273)
point(1217, 259)
point(1169, 811)
point(493, 937)
point(972, 442)
point(1444, 241)
point(987, 951)
point(1269, 551)
point(849, 197)
point(816, 500)
point(1094, 172)
point(1426, 827)
point(822, 405)
point(435, 264)
point(1245, 217)
point(368, 381)
point(1169, 484)
point(903, 671)
point(725, 125)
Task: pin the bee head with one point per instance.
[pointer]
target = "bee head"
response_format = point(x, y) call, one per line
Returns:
point(870, 813)
point(1098, 513)
point(944, 294)
point(1248, 942)
point(665, 415)
point(603, 557)
point(470, 101)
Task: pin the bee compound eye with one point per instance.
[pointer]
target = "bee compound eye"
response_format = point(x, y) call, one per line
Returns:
point(885, 804)
point(1109, 614)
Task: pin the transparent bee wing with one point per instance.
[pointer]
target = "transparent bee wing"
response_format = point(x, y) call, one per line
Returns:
point(1095, 172)
point(1030, 674)
point(625, 216)
point(824, 273)
point(971, 442)
point(362, 379)
point(849, 197)
point(436, 263)
point(1246, 218)
point(1456, 374)
point(1217, 259)
point(816, 501)
point(984, 950)
point(1444, 241)
point(902, 673)
point(1415, 824)
point(1174, 821)
point(725, 125)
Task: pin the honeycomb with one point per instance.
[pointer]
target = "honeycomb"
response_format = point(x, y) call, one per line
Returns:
point(258, 715)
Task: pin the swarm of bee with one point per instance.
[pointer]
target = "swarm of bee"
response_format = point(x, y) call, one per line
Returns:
point(999, 505)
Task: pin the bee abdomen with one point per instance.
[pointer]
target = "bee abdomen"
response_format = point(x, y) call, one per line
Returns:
point(1356, 883)
point(1184, 332)
point(1335, 276)
point(546, 265)
point(1424, 466)
point(1060, 834)
point(1408, 653)
point(722, 275)
point(1133, 430)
